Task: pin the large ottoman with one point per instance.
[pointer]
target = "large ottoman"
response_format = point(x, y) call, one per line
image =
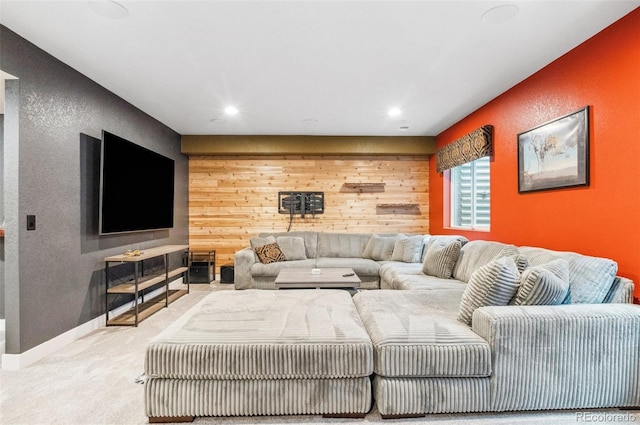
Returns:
point(426, 361)
point(259, 352)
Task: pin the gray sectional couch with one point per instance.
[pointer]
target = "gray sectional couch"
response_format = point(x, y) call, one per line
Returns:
point(446, 325)
point(461, 326)
point(321, 250)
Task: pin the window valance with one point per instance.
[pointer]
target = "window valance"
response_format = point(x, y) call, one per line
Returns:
point(474, 145)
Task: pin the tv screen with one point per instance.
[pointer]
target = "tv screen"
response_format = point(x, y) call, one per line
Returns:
point(136, 187)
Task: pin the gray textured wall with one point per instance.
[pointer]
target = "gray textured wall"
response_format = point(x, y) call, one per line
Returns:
point(54, 279)
point(2, 210)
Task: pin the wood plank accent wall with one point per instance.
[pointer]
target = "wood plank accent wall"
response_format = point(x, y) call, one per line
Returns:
point(234, 198)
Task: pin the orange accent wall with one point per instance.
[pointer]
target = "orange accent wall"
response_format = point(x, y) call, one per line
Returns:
point(602, 219)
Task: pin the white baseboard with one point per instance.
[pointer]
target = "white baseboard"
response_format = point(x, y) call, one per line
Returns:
point(2, 337)
point(22, 360)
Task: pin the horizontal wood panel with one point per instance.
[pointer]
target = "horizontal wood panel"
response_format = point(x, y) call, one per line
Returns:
point(307, 145)
point(233, 198)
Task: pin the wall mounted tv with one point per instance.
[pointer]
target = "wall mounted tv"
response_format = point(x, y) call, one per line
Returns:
point(136, 187)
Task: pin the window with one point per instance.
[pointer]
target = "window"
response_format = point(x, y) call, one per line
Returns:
point(470, 195)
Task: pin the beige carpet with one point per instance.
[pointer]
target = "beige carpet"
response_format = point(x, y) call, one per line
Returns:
point(93, 381)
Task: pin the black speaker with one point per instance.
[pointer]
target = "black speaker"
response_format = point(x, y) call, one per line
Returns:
point(226, 273)
point(201, 272)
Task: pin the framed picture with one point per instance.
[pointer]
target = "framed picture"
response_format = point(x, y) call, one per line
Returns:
point(555, 154)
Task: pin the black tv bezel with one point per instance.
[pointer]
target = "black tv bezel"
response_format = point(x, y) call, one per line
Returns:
point(106, 134)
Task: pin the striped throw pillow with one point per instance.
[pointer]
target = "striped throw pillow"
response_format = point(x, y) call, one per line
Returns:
point(546, 284)
point(495, 283)
point(441, 257)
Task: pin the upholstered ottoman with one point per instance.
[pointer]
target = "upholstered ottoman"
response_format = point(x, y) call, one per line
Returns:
point(426, 361)
point(259, 352)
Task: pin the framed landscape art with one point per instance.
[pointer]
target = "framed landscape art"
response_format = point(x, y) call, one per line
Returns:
point(555, 154)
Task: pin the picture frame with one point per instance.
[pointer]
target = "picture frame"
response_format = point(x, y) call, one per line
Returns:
point(555, 154)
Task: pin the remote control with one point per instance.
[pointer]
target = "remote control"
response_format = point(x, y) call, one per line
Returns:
point(348, 274)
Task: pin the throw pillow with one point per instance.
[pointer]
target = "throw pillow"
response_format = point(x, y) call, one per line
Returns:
point(292, 247)
point(522, 261)
point(258, 241)
point(494, 283)
point(441, 257)
point(408, 248)
point(546, 284)
point(269, 253)
point(398, 248)
point(379, 248)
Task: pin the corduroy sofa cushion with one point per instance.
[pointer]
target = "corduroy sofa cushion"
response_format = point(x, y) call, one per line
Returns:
point(590, 278)
point(475, 254)
point(546, 284)
point(256, 334)
point(416, 334)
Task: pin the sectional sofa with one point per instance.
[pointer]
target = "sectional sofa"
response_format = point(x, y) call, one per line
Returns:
point(453, 326)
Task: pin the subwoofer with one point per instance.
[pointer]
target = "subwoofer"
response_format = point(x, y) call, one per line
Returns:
point(226, 273)
point(201, 272)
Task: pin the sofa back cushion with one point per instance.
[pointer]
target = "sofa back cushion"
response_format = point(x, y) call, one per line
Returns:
point(379, 248)
point(310, 240)
point(476, 254)
point(342, 245)
point(590, 278)
point(292, 247)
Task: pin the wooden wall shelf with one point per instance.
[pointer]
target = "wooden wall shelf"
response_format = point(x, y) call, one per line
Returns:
point(410, 209)
point(362, 188)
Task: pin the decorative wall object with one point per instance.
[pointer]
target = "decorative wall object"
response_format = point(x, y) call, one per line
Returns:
point(474, 145)
point(407, 209)
point(362, 188)
point(555, 154)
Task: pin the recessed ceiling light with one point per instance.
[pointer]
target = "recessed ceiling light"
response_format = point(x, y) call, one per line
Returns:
point(230, 110)
point(395, 112)
point(500, 14)
point(109, 9)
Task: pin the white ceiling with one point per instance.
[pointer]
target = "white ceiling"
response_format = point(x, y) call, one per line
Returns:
point(309, 67)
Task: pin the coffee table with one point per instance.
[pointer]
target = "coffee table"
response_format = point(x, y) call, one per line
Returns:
point(303, 278)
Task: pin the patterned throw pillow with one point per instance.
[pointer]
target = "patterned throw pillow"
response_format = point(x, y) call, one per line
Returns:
point(258, 241)
point(546, 284)
point(494, 283)
point(269, 253)
point(440, 258)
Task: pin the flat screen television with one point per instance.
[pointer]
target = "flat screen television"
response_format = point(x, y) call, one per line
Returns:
point(136, 187)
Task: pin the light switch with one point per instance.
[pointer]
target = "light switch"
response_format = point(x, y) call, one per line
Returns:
point(31, 222)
